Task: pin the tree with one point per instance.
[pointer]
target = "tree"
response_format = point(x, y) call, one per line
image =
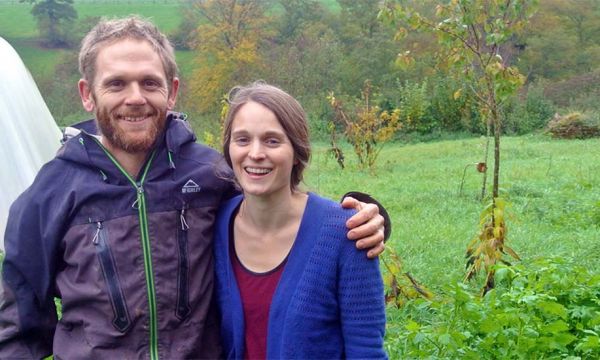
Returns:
point(368, 46)
point(297, 14)
point(54, 19)
point(305, 56)
point(476, 36)
point(562, 39)
point(228, 42)
point(185, 36)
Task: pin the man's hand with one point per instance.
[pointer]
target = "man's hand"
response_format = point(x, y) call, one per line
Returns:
point(366, 226)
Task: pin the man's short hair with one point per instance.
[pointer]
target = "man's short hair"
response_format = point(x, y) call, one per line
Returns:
point(109, 31)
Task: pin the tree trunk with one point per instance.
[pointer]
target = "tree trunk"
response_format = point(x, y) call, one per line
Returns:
point(497, 131)
point(485, 157)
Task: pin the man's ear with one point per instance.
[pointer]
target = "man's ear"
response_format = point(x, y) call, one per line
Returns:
point(173, 94)
point(85, 92)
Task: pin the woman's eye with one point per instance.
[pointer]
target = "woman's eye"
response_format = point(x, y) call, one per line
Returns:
point(241, 141)
point(273, 141)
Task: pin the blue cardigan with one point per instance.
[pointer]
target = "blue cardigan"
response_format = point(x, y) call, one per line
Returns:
point(329, 302)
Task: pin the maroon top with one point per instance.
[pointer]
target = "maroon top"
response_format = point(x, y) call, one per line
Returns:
point(256, 292)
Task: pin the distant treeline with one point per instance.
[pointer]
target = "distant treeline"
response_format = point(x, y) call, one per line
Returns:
point(128, 2)
point(314, 48)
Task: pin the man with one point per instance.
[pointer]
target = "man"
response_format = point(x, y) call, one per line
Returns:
point(120, 224)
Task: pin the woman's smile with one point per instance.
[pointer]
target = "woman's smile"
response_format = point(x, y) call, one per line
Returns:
point(262, 155)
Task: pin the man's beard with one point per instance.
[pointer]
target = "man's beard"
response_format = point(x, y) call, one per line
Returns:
point(120, 139)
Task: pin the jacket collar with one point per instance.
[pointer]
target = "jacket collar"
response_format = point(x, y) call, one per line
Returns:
point(80, 137)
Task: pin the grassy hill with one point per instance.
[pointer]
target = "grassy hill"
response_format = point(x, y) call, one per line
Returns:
point(18, 27)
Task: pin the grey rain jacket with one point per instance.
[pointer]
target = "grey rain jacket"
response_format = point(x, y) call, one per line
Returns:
point(130, 259)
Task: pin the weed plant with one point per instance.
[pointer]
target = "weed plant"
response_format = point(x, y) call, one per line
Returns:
point(547, 308)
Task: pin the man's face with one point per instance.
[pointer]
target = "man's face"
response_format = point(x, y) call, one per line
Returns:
point(129, 95)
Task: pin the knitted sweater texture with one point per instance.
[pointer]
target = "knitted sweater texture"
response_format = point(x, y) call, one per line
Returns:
point(329, 301)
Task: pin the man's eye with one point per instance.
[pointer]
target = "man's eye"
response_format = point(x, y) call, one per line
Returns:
point(151, 83)
point(115, 84)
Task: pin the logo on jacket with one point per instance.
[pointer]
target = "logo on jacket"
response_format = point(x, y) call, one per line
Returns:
point(190, 187)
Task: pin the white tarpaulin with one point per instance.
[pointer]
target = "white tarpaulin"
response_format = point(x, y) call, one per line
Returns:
point(29, 136)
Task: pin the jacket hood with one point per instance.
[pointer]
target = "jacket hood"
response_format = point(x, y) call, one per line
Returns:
point(80, 145)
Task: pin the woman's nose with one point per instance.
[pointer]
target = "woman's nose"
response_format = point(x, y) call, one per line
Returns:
point(256, 150)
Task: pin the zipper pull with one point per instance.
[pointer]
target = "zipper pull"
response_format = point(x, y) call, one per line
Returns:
point(97, 235)
point(184, 225)
point(135, 204)
point(140, 191)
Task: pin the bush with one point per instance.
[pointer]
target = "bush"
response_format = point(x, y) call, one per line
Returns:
point(454, 113)
point(414, 104)
point(531, 113)
point(366, 126)
point(575, 126)
point(545, 309)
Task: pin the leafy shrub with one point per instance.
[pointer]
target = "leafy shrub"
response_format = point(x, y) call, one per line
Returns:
point(575, 126)
point(548, 308)
point(531, 113)
point(414, 104)
point(453, 111)
point(366, 127)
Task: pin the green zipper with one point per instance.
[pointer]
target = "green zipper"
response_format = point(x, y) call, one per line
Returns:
point(141, 202)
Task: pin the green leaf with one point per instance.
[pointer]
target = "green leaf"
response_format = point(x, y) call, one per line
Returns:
point(530, 332)
point(490, 325)
point(588, 343)
point(555, 327)
point(419, 338)
point(553, 308)
point(564, 338)
point(445, 339)
point(412, 326)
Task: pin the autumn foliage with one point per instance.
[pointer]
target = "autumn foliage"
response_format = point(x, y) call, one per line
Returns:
point(366, 126)
point(227, 45)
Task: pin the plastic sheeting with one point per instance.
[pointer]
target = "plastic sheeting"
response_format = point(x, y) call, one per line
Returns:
point(29, 137)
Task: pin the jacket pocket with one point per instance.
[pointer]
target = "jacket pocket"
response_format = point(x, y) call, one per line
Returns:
point(183, 307)
point(121, 320)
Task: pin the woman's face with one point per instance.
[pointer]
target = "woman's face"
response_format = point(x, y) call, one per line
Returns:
point(262, 156)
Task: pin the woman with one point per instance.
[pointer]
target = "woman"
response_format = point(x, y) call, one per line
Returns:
point(288, 282)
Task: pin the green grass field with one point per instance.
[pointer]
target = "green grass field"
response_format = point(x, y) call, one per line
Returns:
point(18, 27)
point(553, 187)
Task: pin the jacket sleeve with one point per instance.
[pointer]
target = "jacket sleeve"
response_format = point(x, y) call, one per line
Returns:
point(362, 305)
point(366, 198)
point(27, 311)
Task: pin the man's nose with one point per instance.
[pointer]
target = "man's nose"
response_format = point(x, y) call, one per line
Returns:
point(135, 95)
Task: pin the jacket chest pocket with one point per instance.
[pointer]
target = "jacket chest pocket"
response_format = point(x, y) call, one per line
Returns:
point(182, 309)
point(121, 320)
